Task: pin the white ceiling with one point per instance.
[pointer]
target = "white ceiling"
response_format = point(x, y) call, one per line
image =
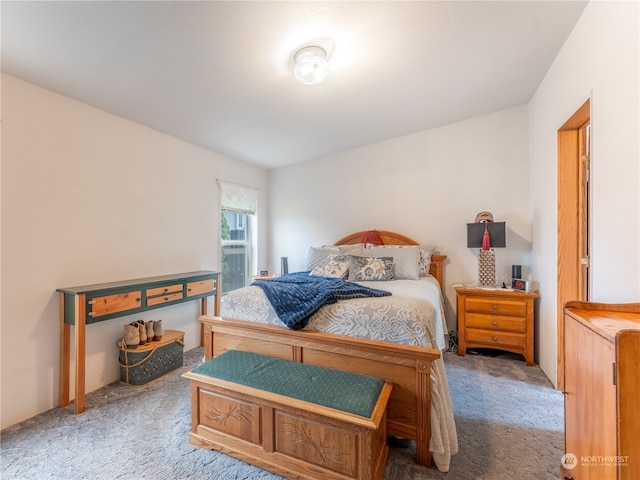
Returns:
point(219, 74)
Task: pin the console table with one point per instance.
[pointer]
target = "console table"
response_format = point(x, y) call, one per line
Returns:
point(81, 306)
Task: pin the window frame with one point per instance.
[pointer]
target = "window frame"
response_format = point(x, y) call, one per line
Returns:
point(249, 247)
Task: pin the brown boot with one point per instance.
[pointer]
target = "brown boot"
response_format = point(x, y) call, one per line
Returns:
point(158, 331)
point(149, 328)
point(142, 331)
point(131, 336)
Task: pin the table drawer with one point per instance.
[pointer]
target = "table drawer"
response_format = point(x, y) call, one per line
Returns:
point(152, 292)
point(496, 339)
point(495, 322)
point(119, 302)
point(198, 288)
point(171, 297)
point(496, 306)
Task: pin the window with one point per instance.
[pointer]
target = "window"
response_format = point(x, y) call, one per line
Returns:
point(236, 250)
point(237, 233)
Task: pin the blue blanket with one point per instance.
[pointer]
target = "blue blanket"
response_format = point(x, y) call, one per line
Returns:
point(297, 296)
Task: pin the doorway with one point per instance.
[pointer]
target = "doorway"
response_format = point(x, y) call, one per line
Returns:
point(574, 159)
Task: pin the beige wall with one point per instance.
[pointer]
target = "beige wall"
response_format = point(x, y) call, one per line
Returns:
point(598, 61)
point(428, 186)
point(89, 197)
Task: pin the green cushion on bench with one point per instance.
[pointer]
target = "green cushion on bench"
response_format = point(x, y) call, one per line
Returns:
point(344, 391)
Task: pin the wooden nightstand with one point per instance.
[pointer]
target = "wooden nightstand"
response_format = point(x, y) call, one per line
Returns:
point(501, 319)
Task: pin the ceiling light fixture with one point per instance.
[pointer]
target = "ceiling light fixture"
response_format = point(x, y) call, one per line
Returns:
point(311, 65)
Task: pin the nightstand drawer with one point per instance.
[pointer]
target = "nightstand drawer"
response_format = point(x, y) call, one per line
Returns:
point(498, 339)
point(199, 288)
point(170, 297)
point(153, 292)
point(110, 304)
point(495, 322)
point(498, 306)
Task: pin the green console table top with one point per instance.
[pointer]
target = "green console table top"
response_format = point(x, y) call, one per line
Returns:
point(115, 299)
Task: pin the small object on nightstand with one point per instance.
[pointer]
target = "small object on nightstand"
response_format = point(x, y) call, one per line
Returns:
point(500, 319)
point(263, 277)
point(519, 284)
point(516, 271)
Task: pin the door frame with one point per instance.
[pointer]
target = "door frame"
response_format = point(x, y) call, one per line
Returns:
point(572, 221)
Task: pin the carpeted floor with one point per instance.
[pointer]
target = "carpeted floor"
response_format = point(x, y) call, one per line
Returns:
point(509, 420)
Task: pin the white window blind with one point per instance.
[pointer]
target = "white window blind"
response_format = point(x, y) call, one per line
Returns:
point(238, 198)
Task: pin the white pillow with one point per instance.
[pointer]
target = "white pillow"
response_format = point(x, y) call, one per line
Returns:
point(353, 249)
point(405, 259)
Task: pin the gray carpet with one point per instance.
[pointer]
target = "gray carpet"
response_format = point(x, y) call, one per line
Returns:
point(509, 420)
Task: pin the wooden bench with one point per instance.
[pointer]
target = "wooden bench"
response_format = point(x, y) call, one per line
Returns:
point(294, 419)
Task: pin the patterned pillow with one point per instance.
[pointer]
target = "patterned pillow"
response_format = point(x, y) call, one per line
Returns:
point(336, 266)
point(318, 255)
point(424, 263)
point(371, 268)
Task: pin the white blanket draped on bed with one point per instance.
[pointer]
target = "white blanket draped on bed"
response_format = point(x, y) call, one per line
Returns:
point(412, 315)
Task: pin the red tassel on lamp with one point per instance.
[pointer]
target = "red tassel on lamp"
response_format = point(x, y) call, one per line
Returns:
point(486, 240)
point(373, 237)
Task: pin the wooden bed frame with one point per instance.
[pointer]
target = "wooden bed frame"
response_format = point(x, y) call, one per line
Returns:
point(407, 367)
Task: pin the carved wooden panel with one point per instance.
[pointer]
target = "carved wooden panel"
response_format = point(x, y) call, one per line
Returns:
point(230, 415)
point(317, 443)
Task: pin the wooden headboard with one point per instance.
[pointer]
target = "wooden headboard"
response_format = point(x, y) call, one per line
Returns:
point(393, 238)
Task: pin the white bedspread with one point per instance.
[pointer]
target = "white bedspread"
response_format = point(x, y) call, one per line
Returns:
point(412, 315)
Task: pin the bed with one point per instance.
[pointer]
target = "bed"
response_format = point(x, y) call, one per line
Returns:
point(420, 407)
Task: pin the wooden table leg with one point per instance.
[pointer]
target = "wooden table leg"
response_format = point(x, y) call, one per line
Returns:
point(203, 306)
point(80, 324)
point(65, 356)
point(216, 297)
point(203, 311)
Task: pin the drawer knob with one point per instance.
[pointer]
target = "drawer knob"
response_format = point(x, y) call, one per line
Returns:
point(494, 323)
point(495, 339)
point(495, 307)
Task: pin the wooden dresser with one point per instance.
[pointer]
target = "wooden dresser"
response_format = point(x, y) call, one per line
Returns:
point(602, 391)
point(496, 318)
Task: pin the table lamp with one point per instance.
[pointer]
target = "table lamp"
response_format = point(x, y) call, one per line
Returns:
point(486, 235)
